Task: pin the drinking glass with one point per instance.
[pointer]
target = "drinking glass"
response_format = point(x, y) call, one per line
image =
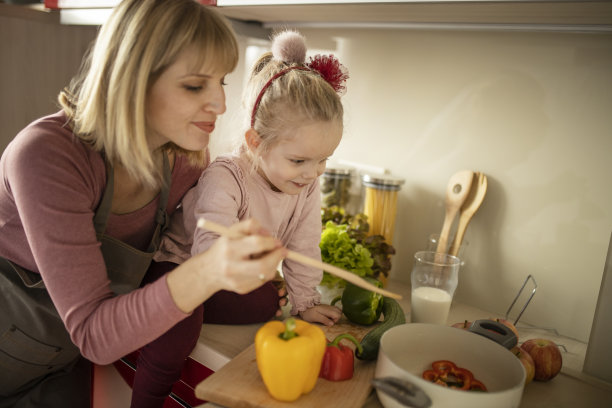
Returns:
point(434, 279)
point(432, 245)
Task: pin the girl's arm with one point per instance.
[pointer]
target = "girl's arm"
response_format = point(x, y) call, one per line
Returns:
point(302, 280)
point(220, 197)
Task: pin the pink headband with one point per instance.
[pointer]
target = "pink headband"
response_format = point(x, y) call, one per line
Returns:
point(279, 74)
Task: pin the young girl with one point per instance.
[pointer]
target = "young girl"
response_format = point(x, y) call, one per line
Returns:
point(295, 126)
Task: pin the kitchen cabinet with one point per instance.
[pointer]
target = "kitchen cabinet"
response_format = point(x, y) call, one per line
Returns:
point(580, 15)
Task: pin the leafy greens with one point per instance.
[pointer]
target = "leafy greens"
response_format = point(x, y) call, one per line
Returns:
point(345, 243)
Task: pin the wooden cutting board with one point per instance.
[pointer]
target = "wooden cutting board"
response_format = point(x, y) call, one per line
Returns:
point(238, 383)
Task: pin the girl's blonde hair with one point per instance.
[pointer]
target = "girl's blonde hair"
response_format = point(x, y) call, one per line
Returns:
point(294, 98)
point(105, 102)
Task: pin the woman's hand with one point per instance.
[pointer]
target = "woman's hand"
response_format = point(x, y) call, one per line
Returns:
point(239, 262)
point(247, 258)
point(324, 314)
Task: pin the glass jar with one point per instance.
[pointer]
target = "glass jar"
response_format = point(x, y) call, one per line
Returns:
point(336, 183)
point(380, 203)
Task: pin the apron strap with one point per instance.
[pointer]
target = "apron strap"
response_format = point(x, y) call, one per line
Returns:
point(161, 217)
point(103, 211)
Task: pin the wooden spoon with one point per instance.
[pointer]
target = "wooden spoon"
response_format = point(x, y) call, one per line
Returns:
point(456, 193)
point(305, 260)
point(469, 207)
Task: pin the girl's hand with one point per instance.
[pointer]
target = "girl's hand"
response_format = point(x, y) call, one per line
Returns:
point(281, 288)
point(282, 294)
point(324, 314)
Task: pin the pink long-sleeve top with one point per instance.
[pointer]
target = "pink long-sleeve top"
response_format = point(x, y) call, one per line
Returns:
point(51, 184)
point(230, 191)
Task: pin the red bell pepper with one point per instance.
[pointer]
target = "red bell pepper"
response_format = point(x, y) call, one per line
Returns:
point(339, 361)
point(443, 366)
point(430, 375)
point(477, 386)
point(447, 374)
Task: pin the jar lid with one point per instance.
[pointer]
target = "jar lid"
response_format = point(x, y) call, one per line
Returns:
point(338, 171)
point(382, 181)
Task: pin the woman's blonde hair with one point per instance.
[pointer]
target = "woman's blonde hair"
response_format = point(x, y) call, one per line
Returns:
point(105, 102)
point(290, 100)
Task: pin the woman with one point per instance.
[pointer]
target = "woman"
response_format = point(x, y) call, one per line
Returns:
point(86, 193)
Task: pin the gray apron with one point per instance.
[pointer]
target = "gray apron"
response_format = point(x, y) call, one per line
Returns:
point(39, 364)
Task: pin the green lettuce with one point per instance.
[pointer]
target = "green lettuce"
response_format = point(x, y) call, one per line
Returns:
point(338, 248)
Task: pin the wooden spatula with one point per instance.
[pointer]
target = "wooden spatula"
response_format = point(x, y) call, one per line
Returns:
point(469, 207)
point(456, 192)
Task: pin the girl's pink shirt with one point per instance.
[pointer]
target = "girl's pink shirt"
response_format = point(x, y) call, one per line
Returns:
point(230, 191)
point(51, 184)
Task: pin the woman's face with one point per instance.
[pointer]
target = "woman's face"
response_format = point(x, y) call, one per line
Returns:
point(298, 160)
point(183, 104)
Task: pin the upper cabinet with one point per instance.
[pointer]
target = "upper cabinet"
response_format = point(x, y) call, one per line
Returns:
point(432, 12)
point(574, 15)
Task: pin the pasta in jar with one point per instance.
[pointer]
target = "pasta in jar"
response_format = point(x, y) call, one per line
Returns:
point(380, 203)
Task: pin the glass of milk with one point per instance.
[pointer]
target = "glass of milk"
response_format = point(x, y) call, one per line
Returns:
point(434, 279)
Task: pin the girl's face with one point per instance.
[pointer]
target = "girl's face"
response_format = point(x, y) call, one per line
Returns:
point(299, 159)
point(183, 104)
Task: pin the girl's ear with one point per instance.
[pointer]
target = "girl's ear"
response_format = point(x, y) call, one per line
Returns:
point(252, 139)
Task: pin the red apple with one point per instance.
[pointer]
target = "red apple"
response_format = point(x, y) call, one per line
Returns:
point(546, 356)
point(527, 362)
point(463, 325)
point(507, 323)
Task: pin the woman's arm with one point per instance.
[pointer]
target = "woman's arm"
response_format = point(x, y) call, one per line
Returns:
point(56, 183)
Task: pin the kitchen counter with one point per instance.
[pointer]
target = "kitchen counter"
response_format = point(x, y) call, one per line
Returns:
point(218, 344)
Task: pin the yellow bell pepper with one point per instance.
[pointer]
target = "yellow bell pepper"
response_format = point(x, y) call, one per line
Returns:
point(289, 357)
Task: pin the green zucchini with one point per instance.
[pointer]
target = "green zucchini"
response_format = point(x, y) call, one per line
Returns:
point(393, 316)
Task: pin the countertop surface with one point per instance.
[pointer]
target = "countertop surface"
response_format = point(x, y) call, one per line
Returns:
point(571, 388)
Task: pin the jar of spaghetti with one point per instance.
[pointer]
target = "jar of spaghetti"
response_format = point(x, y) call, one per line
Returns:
point(380, 203)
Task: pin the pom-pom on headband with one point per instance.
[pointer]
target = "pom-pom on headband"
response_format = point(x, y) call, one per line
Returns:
point(290, 47)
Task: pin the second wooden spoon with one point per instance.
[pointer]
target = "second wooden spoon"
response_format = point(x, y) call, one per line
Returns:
point(469, 207)
point(456, 192)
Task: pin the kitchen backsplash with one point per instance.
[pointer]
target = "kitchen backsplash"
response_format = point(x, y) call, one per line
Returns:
point(529, 109)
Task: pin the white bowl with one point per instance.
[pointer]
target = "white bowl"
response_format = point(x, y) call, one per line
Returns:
point(409, 349)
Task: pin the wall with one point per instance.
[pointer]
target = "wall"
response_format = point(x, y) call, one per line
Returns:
point(532, 111)
point(38, 58)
